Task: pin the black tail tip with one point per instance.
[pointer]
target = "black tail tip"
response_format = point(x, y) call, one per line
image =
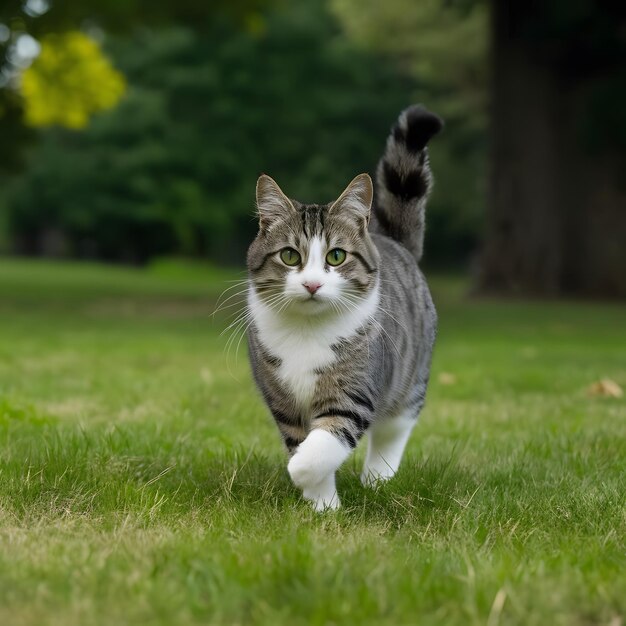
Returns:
point(416, 126)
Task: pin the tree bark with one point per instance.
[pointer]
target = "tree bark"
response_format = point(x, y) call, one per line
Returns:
point(556, 217)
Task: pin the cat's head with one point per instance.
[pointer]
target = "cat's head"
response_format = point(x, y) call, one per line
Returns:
point(310, 258)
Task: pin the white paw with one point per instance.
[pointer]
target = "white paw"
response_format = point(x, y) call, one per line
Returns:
point(323, 496)
point(304, 471)
point(317, 457)
point(321, 492)
point(313, 467)
point(375, 476)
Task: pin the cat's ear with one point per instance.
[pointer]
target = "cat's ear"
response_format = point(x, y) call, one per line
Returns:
point(272, 204)
point(356, 200)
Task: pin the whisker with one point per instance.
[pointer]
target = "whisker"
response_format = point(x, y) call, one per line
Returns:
point(382, 309)
point(375, 322)
point(239, 283)
point(223, 306)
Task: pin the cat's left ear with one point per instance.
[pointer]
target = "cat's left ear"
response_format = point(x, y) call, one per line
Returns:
point(356, 199)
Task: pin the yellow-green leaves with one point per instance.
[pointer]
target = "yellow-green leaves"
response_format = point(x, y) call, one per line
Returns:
point(69, 81)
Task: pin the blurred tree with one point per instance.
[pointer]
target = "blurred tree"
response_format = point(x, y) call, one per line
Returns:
point(173, 168)
point(443, 44)
point(556, 219)
point(68, 82)
point(27, 21)
point(557, 206)
point(40, 17)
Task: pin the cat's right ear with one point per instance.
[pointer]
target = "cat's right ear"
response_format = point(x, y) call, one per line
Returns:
point(271, 203)
point(356, 199)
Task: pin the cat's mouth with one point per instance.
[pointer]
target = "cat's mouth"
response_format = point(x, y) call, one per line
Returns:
point(308, 297)
point(311, 304)
point(311, 300)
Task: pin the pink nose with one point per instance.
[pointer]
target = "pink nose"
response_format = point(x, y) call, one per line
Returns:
point(312, 287)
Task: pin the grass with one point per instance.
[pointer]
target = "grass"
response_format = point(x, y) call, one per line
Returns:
point(142, 480)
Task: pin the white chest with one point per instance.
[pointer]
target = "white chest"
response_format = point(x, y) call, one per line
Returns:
point(304, 344)
point(301, 357)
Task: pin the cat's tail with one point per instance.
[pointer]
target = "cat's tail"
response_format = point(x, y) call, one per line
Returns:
point(404, 179)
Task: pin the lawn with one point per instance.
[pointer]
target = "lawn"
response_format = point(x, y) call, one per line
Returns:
point(143, 482)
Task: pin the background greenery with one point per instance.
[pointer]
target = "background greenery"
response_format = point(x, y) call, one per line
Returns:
point(171, 169)
point(135, 129)
point(141, 478)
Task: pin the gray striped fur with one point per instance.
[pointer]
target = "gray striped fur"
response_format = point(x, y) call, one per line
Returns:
point(404, 179)
point(381, 370)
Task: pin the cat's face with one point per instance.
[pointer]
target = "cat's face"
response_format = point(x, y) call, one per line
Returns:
point(313, 259)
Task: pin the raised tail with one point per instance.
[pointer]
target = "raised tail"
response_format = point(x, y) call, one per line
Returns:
point(404, 179)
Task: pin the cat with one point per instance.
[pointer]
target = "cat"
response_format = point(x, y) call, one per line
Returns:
point(342, 320)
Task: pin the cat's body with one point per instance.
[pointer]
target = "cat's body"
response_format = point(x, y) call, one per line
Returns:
point(343, 324)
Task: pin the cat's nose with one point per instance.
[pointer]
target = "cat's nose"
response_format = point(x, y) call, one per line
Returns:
point(312, 287)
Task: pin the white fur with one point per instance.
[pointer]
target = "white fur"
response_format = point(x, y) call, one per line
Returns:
point(300, 332)
point(313, 467)
point(301, 335)
point(314, 272)
point(386, 442)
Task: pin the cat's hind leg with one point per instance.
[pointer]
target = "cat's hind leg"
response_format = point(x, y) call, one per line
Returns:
point(385, 447)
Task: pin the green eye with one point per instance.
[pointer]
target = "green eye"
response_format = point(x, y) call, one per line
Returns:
point(290, 257)
point(336, 256)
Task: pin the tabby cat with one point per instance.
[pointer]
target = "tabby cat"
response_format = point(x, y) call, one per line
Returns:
point(343, 324)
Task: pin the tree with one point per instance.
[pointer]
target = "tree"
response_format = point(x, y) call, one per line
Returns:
point(20, 19)
point(443, 45)
point(172, 169)
point(557, 198)
point(69, 81)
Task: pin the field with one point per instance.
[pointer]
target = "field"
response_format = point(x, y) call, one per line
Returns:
point(143, 482)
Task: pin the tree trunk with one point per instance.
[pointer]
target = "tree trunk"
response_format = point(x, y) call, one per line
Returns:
point(557, 211)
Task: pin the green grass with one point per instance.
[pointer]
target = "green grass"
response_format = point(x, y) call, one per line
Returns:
point(142, 480)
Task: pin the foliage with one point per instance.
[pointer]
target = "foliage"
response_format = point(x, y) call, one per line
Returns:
point(69, 81)
point(41, 18)
point(173, 168)
point(143, 480)
point(118, 16)
point(443, 44)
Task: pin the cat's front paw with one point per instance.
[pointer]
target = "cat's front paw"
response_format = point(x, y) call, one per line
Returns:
point(322, 492)
point(317, 457)
point(313, 467)
point(323, 496)
point(302, 471)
